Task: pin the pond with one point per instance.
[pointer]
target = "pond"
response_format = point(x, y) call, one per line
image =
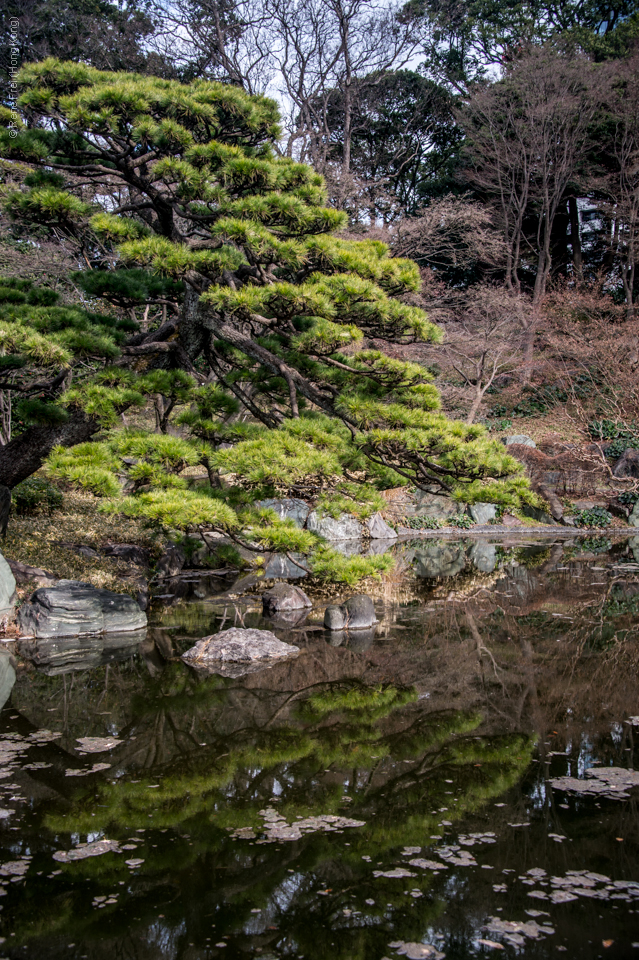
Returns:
point(457, 782)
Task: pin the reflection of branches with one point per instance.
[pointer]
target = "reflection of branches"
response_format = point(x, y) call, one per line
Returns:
point(481, 648)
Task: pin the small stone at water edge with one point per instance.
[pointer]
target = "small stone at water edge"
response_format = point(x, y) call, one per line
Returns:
point(220, 944)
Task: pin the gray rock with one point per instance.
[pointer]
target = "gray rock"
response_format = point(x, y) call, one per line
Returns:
point(288, 509)
point(627, 465)
point(240, 645)
point(633, 519)
point(72, 608)
point(7, 588)
point(171, 562)
point(335, 617)
point(482, 512)
point(432, 505)
point(344, 528)
point(536, 514)
point(280, 566)
point(434, 560)
point(358, 613)
point(7, 676)
point(633, 543)
point(282, 598)
point(127, 551)
point(483, 556)
point(521, 439)
point(24, 573)
point(379, 529)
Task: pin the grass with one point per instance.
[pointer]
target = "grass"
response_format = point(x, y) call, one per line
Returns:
point(35, 541)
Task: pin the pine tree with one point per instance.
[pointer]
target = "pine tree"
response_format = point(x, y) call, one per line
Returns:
point(270, 347)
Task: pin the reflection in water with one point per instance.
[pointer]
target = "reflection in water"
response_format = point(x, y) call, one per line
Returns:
point(385, 787)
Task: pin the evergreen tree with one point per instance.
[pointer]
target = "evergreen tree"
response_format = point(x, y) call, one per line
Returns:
point(274, 349)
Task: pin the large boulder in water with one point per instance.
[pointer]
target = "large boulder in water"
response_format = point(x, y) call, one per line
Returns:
point(245, 647)
point(358, 613)
point(282, 598)
point(75, 609)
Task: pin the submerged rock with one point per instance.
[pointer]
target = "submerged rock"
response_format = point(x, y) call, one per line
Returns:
point(240, 645)
point(288, 508)
point(358, 613)
point(74, 609)
point(379, 529)
point(7, 588)
point(415, 951)
point(343, 528)
point(282, 598)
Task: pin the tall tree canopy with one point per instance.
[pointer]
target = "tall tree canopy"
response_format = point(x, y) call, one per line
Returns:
point(268, 346)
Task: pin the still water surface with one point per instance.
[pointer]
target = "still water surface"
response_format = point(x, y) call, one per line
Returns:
point(385, 794)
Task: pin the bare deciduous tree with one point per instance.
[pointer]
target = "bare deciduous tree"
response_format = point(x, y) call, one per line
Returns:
point(527, 135)
point(453, 231)
point(622, 184)
point(483, 340)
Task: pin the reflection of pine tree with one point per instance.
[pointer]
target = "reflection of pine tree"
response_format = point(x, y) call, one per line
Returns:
point(384, 749)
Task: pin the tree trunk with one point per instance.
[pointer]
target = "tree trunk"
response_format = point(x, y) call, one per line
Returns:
point(575, 238)
point(23, 455)
point(5, 417)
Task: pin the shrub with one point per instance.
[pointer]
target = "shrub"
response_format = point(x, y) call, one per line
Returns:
point(35, 495)
point(462, 520)
point(620, 436)
point(594, 517)
point(421, 523)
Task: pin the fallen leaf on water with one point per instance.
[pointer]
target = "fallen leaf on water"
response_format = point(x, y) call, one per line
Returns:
point(491, 943)
point(417, 951)
point(395, 874)
point(84, 850)
point(97, 744)
point(607, 943)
